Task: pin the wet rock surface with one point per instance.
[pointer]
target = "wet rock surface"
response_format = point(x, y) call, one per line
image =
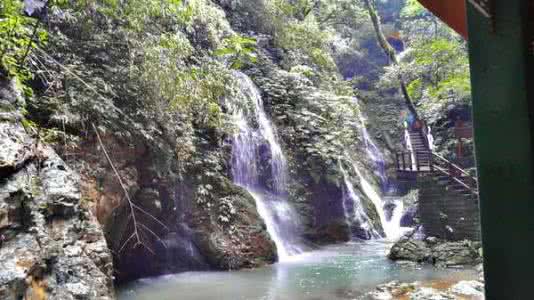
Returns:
point(472, 290)
point(51, 247)
point(437, 252)
point(411, 250)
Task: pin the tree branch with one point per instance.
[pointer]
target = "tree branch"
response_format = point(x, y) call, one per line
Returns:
point(390, 52)
point(135, 223)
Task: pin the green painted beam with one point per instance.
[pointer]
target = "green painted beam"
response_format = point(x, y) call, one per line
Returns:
point(501, 70)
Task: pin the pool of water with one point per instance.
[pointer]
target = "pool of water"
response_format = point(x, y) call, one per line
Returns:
point(331, 273)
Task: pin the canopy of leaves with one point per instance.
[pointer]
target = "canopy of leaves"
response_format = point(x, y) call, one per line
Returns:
point(435, 64)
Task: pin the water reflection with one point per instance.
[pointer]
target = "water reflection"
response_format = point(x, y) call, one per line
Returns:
point(334, 273)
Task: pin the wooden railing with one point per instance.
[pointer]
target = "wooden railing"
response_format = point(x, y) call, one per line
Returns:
point(407, 162)
point(430, 162)
point(455, 173)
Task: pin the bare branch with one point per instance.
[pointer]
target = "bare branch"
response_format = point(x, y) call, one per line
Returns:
point(151, 216)
point(126, 242)
point(135, 224)
point(142, 226)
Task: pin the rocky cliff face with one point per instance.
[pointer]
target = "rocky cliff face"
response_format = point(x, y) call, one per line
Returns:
point(51, 247)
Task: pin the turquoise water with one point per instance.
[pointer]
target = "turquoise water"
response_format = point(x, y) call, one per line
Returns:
point(331, 273)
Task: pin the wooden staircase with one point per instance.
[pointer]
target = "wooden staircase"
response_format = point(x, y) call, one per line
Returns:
point(445, 173)
point(423, 155)
point(448, 195)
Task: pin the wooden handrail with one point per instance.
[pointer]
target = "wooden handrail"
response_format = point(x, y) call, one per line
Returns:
point(440, 164)
point(424, 159)
point(465, 185)
point(455, 166)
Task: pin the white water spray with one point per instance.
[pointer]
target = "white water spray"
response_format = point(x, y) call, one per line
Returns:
point(392, 228)
point(353, 210)
point(280, 218)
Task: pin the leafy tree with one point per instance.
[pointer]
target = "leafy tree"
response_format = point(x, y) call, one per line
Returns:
point(441, 67)
point(19, 35)
point(390, 52)
point(435, 66)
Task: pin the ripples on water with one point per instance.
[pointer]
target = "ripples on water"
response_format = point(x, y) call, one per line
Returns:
point(333, 273)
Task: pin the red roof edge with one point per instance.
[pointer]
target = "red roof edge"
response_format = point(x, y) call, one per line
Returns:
point(452, 12)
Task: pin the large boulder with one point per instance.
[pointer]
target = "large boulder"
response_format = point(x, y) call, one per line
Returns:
point(239, 238)
point(438, 252)
point(410, 249)
point(450, 254)
point(427, 293)
point(333, 232)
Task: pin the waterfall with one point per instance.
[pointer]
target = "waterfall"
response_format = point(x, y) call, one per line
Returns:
point(392, 228)
point(372, 150)
point(391, 225)
point(355, 216)
point(248, 141)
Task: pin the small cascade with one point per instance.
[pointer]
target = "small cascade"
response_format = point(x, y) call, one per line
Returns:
point(373, 151)
point(356, 218)
point(281, 219)
point(392, 227)
point(391, 224)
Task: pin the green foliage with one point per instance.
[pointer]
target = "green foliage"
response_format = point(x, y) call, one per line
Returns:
point(170, 84)
point(446, 65)
point(435, 66)
point(308, 39)
point(299, 9)
point(45, 135)
point(239, 49)
point(19, 35)
point(412, 9)
point(140, 15)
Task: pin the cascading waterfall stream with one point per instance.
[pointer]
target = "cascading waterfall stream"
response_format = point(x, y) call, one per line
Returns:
point(372, 149)
point(279, 216)
point(353, 210)
point(392, 228)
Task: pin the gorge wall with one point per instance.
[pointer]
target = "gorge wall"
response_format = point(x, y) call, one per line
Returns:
point(51, 246)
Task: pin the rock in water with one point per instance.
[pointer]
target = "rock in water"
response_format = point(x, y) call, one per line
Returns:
point(473, 288)
point(450, 254)
point(425, 293)
point(52, 248)
point(435, 251)
point(410, 249)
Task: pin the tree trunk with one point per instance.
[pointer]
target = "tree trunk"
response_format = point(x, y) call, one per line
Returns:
point(390, 52)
